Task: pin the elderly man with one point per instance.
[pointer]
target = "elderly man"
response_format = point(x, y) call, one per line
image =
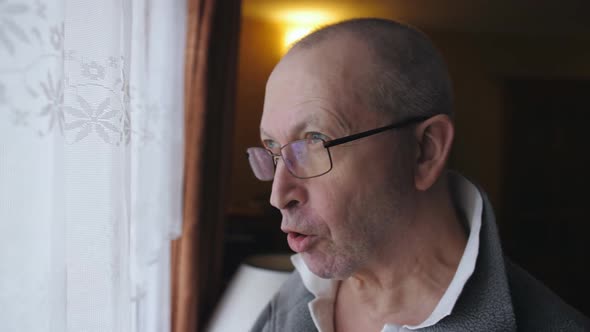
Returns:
point(356, 131)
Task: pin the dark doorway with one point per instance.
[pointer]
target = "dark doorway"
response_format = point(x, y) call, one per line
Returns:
point(545, 220)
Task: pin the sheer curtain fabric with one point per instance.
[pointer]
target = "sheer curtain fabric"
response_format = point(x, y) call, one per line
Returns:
point(91, 149)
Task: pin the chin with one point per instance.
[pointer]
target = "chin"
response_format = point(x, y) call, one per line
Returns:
point(327, 267)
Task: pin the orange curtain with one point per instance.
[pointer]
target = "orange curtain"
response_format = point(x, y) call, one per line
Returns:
point(210, 70)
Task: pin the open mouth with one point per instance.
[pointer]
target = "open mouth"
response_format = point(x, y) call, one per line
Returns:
point(297, 235)
point(298, 242)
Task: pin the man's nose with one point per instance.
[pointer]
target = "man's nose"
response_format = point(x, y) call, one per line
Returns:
point(287, 190)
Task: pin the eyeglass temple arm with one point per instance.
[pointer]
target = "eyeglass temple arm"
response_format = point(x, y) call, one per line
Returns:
point(353, 137)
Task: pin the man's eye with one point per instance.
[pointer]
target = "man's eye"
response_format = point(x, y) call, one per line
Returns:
point(316, 136)
point(271, 144)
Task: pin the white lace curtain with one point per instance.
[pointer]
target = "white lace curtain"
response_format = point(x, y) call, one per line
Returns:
point(91, 144)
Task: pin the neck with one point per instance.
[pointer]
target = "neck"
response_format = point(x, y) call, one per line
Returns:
point(407, 279)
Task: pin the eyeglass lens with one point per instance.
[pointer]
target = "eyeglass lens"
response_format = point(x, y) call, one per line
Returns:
point(303, 158)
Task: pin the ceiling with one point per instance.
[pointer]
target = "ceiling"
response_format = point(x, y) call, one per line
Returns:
point(493, 16)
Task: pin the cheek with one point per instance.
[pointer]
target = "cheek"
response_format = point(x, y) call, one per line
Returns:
point(361, 183)
point(363, 164)
point(327, 204)
point(357, 180)
point(360, 189)
point(336, 202)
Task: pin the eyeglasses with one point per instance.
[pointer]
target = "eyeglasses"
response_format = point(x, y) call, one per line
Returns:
point(310, 157)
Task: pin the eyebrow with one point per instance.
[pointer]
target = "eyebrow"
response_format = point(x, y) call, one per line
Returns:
point(310, 121)
point(264, 133)
point(299, 127)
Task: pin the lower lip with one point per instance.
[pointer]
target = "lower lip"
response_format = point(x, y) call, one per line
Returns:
point(299, 242)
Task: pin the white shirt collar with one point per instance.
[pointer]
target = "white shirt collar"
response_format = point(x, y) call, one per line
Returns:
point(324, 290)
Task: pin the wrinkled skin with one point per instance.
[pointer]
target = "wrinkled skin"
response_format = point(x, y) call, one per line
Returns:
point(361, 209)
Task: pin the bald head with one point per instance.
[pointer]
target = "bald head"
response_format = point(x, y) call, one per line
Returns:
point(323, 92)
point(403, 75)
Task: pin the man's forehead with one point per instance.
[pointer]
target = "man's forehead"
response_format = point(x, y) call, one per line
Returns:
point(318, 88)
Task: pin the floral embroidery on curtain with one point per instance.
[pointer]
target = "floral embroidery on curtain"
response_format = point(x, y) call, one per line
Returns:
point(91, 145)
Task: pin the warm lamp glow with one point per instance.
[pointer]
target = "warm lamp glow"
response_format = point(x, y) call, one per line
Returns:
point(305, 17)
point(299, 23)
point(293, 34)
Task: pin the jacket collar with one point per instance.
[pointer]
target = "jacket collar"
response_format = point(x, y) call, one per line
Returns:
point(485, 303)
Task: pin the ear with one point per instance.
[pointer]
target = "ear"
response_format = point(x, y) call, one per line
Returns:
point(434, 137)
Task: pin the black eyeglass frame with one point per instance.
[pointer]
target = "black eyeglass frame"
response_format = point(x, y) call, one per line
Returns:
point(345, 139)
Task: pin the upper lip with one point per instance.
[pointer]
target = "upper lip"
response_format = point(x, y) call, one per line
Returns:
point(291, 223)
point(288, 230)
